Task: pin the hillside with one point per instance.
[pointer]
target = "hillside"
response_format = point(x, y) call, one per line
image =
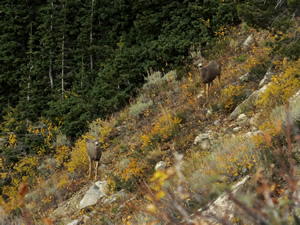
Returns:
point(245, 129)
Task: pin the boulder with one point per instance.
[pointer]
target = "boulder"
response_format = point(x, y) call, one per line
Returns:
point(204, 140)
point(248, 42)
point(94, 194)
point(242, 119)
point(160, 165)
point(253, 133)
point(118, 195)
point(223, 206)
point(247, 104)
point(245, 77)
point(254, 121)
point(236, 129)
point(267, 78)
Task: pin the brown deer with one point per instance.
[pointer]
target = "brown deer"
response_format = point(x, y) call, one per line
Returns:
point(94, 152)
point(209, 73)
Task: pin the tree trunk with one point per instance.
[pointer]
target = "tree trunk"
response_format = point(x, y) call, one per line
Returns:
point(62, 66)
point(91, 36)
point(50, 52)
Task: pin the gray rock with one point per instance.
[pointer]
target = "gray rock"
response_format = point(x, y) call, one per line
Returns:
point(160, 165)
point(205, 145)
point(242, 119)
point(203, 140)
point(247, 104)
point(245, 77)
point(217, 122)
point(208, 113)
point(248, 42)
point(223, 206)
point(254, 128)
point(114, 197)
point(254, 133)
point(267, 78)
point(254, 121)
point(247, 92)
point(236, 129)
point(295, 97)
point(94, 194)
point(200, 95)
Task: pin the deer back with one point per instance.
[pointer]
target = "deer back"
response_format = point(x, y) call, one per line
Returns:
point(211, 71)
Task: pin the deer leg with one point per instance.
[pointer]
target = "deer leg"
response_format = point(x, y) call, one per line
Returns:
point(208, 89)
point(96, 169)
point(90, 167)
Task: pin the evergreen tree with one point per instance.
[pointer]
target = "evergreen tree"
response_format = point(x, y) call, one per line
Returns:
point(13, 42)
point(266, 14)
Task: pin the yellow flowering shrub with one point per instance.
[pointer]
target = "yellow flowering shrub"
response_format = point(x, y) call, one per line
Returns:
point(162, 130)
point(231, 96)
point(282, 87)
point(61, 154)
point(233, 158)
point(15, 200)
point(79, 156)
point(46, 132)
point(132, 170)
point(25, 170)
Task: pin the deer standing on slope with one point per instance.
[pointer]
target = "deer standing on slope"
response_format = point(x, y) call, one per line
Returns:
point(94, 152)
point(209, 73)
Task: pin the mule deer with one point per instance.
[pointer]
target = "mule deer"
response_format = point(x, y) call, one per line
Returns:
point(209, 73)
point(94, 152)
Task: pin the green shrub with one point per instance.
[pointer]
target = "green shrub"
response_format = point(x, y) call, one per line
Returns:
point(156, 79)
point(140, 107)
point(241, 58)
point(258, 72)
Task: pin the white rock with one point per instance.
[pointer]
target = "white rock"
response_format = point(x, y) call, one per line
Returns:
point(248, 42)
point(96, 192)
point(205, 145)
point(247, 104)
point(242, 117)
point(245, 77)
point(254, 128)
point(267, 78)
point(254, 121)
point(250, 134)
point(75, 222)
point(203, 140)
point(217, 122)
point(200, 138)
point(236, 129)
point(160, 165)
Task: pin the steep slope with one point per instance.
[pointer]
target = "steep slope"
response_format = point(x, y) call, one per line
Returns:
point(204, 148)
